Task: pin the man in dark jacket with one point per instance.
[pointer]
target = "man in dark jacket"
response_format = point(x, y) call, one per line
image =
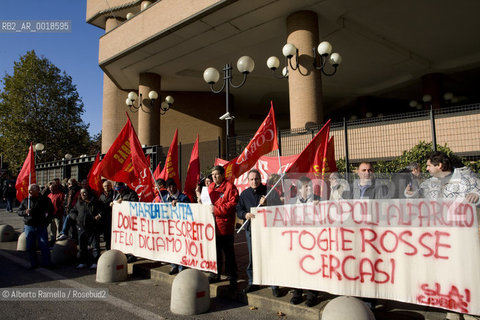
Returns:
point(366, 187)
point(106, 199)
point(37, 212)
point(253, 197)
point(86, 213)
point(124, 193)
point(9, 196)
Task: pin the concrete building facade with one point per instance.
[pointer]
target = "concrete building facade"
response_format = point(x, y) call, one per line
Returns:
point(393, 53)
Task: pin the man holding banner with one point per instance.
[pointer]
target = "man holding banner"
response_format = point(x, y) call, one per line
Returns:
point(252, 197)
point(224, 196)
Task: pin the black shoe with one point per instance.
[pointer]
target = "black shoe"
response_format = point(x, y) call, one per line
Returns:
point(214, 279)
point(173, 271)
point(275, 292)
point(233, 285)
point(131, 259)
point(250, 288)
point(296, 300)
point(310, 302)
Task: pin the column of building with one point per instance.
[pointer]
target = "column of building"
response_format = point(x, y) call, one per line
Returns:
point(305, 84)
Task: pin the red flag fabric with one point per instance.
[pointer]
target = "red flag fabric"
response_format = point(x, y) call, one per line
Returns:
point(193, 173)
point(171, 163)
point(315, 151)
point(331, 165)
point(158, 170)
point(26, 176)
point(95, 181)
point(125, 162)
point(263, 142)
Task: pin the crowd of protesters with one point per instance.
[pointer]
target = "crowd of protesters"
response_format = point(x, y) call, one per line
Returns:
point(74, 211)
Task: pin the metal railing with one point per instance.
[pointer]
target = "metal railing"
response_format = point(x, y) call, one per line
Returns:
point(371, 139)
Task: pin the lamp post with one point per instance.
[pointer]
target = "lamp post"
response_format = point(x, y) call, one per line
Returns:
point(66, 158)
point(38, 147)
point(152, 96)
point(245, 65)
point(289, 51)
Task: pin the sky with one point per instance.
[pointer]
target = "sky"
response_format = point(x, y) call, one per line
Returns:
point(75, 52)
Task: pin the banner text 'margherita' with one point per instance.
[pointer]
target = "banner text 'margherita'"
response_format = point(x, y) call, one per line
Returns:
point(161, 211)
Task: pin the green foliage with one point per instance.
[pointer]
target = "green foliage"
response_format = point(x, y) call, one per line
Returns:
point(39, 103)
point(417, 154)
point(95, 145)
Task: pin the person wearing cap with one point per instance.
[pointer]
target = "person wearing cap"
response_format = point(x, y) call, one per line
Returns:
point(173, 196)
point(160, 190)
point(124, 193)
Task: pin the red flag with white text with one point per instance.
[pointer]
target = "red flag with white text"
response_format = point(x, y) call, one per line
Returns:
point(26, 176)
point(95, 181)
point(126, 162)
point(193, 173)
point(263, 142)
point(170, 170)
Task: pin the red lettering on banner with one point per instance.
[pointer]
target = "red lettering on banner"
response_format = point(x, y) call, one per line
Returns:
point(122, 237)
point(453, 300)
point(127, 222)
point(364, 270)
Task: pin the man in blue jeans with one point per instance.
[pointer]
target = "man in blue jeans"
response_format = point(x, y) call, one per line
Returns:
point(37, 213)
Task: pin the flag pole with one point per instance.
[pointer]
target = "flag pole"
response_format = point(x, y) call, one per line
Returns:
point(266, 196)
point(30, 175)
point(156, 184)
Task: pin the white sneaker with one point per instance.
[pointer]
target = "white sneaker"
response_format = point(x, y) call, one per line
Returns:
point(81, 266)
point(93, 266)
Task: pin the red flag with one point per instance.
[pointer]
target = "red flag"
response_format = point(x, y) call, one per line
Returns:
point(315, 151)
point(171, 163)
point(125, 162)
point(263, 142)
point(158, 170)
point(193, 173)
point(26, 176)
point(95, 181)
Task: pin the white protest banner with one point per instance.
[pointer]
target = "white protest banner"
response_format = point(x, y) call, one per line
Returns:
point(184, 234)
point(417, 251)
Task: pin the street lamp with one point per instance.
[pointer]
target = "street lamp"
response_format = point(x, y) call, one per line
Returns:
point(245, 65)
point(66, 158)
point(152, 96)
point(39, 147)
point(289, 51)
